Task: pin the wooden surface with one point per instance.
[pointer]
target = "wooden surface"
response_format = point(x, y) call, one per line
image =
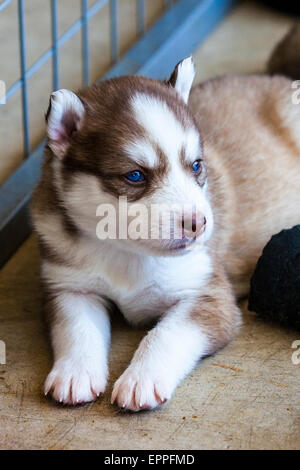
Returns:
point(246, 396)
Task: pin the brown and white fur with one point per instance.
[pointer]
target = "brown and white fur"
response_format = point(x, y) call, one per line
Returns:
point(246, 132)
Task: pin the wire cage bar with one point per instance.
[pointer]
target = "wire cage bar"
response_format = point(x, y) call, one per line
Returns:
point(114, 34)
point(141, 17)
point(54, 30)
point(85, 43)
point(22, 40)
point(4, 4)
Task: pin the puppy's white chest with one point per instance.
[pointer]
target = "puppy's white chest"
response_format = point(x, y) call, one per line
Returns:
point(146, 288)
point(144, 304)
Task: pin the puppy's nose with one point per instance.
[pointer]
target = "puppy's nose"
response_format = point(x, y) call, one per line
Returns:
point(194, 225)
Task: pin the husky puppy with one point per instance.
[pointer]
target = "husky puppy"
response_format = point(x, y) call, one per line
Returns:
point(230, 149)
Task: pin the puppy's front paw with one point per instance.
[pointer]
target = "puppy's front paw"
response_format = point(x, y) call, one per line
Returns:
point(139, 389)
point(72, 383)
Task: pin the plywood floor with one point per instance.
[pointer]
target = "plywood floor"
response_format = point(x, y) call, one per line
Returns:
point(245, 397)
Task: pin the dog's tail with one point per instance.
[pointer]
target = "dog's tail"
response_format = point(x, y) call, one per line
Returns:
point(285, 59)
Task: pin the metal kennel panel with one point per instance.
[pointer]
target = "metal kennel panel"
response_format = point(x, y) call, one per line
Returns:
point(53, 52)
point(175, 35)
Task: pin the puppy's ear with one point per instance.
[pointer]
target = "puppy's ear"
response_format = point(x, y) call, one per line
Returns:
point(182, 78)
point(64, 118)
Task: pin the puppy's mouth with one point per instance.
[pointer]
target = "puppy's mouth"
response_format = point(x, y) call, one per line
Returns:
point(185, 242)
point(180, 245)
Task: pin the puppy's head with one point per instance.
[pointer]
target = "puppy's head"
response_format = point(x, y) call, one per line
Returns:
point(128, 162)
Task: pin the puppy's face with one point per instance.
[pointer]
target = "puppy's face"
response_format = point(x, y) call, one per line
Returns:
point(129, 164)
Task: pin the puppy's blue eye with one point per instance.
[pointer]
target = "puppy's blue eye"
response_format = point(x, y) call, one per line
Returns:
point(135, 176)
point(196, 166)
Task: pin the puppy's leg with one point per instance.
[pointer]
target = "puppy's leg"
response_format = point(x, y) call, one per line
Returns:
point(190, 330)
point(80, 335)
